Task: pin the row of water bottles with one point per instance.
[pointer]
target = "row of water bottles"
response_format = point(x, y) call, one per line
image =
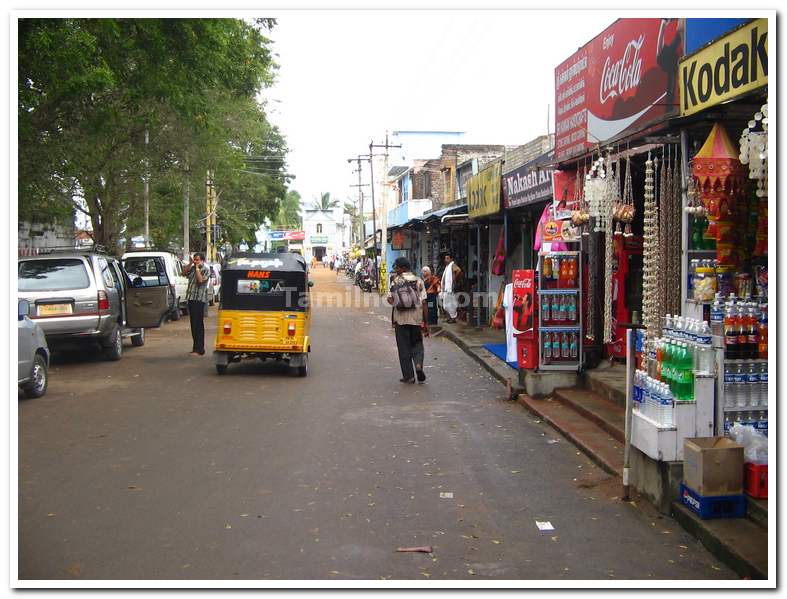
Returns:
point(697, 336)
point(653, 399)
point(745, 384)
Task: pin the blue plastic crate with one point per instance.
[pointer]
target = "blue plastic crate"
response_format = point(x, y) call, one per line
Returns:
point(722, 506)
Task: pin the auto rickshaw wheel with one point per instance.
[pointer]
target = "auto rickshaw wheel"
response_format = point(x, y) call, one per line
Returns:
point(221, 368)
point(304, 370)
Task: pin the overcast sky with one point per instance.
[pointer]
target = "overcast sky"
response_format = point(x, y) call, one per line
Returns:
point(348, 76)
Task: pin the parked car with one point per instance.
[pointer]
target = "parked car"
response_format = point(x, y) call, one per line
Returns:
point(33, 357)
point(138, 263)
point(86, 296)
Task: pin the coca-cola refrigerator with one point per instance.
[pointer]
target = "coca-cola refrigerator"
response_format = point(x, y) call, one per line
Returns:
point(524, 321)
point(560, 311)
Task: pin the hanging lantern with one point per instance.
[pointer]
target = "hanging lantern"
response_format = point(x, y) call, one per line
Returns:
point(720, 179)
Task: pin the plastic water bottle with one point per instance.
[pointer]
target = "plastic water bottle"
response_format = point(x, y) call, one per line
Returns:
point(717, 316)
point(764, 384)
point(679, 328)
point(645, 403)
point(574, 345)
point(739, 382)
point(547, 351)
point(667, 407)
point(668, 325)
point(705, 349)
point(545, 309)
point(730, 401)
point(753, 384)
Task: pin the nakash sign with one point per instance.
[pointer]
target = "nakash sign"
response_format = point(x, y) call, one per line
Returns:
point(625, 78)
point(527, 185)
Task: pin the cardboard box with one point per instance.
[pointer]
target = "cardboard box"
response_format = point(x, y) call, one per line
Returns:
point(713, 466)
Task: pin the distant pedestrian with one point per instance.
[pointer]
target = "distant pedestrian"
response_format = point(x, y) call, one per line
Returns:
point(432, 285)
point(449, 285)
point(197, 295)
point(408, 297)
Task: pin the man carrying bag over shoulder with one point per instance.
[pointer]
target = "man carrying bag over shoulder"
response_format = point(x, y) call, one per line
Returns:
point(408, 298)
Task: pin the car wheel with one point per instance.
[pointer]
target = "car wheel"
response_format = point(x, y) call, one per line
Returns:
point(221, 368)
point(138, 340)
point(114, 347)
point(37, 385)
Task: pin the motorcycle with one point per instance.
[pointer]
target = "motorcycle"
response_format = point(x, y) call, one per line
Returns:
point(363, 280)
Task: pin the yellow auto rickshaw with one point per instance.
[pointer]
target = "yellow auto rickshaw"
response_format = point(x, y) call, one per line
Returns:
point(265, 311)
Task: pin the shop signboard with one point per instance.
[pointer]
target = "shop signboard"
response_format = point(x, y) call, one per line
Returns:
point(400, 240)
point(483, 192)
point(731, 66)
point(288, 235)
point(622, 80)
point(527, 185)
point(318, 239)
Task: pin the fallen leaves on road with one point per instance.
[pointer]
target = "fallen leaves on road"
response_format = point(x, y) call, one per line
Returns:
point(228, 526)
point(423, 549)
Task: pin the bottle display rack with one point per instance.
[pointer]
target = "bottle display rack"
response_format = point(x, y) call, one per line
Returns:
point(560, 311)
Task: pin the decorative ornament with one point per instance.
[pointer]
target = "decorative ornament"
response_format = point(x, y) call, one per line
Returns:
point(720, 181)
point(754, 154)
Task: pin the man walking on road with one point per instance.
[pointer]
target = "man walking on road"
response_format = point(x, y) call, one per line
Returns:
point(197, 296)
point(451, 276)
point(408, 297)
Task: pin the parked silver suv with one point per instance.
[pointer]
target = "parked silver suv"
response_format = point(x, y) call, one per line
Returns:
point(87, 296)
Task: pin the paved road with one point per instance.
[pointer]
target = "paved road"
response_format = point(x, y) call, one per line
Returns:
point(157, 468)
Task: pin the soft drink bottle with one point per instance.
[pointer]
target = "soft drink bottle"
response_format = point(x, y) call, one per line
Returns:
point(688, 375)
point(565, 352)
point(743, 333)
point(572, 308)
point(763, 332)
point(574, 346)
point(561, 313)
point(752, 331)
point(730, 331)
point(660, 359)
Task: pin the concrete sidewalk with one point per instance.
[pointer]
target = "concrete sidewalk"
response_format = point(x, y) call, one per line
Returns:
point(592, 419)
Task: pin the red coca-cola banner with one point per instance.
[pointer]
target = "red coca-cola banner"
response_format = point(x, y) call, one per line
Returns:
point(625, 78)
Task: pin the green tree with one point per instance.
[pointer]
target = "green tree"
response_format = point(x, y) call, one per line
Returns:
point(89, 89)
point(325, 202)
point(289, 215)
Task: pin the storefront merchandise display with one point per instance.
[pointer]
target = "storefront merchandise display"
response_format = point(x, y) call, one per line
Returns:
point(651, 258)
point(560, 316)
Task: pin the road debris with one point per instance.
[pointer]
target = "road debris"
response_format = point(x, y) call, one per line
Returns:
point(424, 549)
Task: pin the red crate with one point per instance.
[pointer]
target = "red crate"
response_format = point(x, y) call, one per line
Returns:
point(756, 480)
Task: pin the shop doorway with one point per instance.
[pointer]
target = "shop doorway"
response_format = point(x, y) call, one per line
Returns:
point(318, 252)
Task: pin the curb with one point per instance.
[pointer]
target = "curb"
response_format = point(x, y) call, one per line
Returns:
point(572, 438)
point(513, 388)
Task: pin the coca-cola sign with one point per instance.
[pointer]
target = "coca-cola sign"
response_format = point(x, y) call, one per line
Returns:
point(623, 80)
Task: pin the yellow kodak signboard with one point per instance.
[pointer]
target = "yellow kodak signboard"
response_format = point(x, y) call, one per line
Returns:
point(731, 66)
point(483, 192)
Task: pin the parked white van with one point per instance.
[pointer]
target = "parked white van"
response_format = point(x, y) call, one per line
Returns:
point(139, 263)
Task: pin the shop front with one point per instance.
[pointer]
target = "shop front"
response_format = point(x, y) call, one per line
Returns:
point(701, 365)
point(486, 243)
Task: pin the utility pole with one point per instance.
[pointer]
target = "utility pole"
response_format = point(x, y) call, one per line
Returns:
point(147, 192)
point(208, 217)
point(374, 216)
point(186, 183)
point(384, 214)
point(360, 195)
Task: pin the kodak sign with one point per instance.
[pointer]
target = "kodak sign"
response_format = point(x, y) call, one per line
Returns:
point(731, 66)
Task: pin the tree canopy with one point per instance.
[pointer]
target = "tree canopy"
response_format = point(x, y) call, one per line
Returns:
point(89, 91)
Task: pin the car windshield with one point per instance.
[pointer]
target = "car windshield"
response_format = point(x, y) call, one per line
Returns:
point(57, 274)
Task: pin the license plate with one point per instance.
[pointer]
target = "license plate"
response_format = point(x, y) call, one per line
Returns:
point(54, 309)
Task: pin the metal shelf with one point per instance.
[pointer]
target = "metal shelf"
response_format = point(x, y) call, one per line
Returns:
point(556, 291)
point(701, 252)
point(747, 409)
point(560, 328)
